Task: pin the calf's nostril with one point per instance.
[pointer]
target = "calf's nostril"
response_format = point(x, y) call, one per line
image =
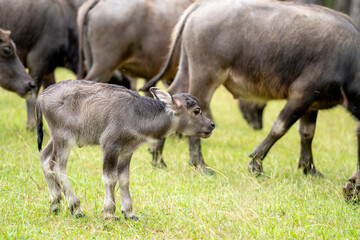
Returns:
point(212, 125)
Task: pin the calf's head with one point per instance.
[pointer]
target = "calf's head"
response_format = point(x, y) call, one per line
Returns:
point(13, 76)
point(187, 113)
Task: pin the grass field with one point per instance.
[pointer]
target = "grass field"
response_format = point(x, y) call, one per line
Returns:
point(178, 202)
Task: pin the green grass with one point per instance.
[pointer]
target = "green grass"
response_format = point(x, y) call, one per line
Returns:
point(178, 202)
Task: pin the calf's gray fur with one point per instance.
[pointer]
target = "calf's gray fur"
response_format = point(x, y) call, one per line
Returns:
point(119, 120)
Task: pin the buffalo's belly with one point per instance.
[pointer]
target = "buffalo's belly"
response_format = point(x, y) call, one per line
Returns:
point(255, 89)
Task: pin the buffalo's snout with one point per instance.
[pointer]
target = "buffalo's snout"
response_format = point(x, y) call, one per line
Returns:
point(32, 85)
point(27, 89)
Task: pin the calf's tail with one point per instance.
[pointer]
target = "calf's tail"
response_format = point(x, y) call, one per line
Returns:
point(39, 126)
point(82, 20)
point(175, 39)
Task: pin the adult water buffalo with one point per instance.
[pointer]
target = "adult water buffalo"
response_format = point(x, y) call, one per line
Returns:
point(13, 76)
point(127, 35)
point(307, 54)
point(45, 34)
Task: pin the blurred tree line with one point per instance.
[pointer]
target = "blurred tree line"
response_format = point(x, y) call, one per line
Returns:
point(350, 7)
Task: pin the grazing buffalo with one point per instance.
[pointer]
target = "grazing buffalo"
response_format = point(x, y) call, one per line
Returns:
point(264, 50)
point(117, 119)
point(45, 34)
point(13, 76)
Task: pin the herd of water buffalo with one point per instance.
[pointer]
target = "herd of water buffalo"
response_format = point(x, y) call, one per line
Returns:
point(258, 49)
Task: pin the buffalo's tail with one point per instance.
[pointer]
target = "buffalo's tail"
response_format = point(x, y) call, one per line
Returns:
point(175, 39)
point(82, 20)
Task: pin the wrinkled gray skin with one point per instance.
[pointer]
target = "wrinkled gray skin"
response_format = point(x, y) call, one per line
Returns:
point(13, 76)
point(45, 34)
point(312, 59)
point(119, 120)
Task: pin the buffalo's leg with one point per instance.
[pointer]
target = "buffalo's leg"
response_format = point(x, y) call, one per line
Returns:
point(295, 107)
point(156, 150)
point(352, 188)
point(61, 152)
point(124, 180)
point(203, 96)
point(38, 63)
point(196, 157)
point(110, 176)
point(47, 163)
point(307, 131)
point(252, 113)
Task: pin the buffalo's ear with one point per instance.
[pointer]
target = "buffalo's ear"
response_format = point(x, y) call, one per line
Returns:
point(165, 97)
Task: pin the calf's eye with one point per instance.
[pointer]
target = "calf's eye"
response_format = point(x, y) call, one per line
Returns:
point(197, 111)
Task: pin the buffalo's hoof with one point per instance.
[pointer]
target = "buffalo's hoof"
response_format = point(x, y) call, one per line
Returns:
point(312, 171)
point(206, 171)
point(160, 164)
point(351, 192)
point(255, 167)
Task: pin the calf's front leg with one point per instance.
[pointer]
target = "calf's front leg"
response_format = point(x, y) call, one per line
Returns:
point(124, 180)
point(352, 188)
point(109, 178)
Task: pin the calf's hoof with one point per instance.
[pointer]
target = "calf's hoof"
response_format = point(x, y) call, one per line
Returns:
point(255, 167)
point(55, 207)
point(76, 211)
point(351, 192)
point(55, 211)
point(134, 218)
point(79, 215)
point(111, 217)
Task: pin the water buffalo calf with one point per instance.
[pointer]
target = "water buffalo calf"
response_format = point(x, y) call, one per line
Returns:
point(13, 76)
point(117, 119)
point(264, 50)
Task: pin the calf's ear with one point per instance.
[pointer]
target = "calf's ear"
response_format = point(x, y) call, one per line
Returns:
point(161, 95)
point(165, 97)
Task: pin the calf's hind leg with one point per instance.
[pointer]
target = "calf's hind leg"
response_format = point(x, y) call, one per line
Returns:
point(295, 107)
point(47, 163)
point(61, 152)
point(307, 131)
